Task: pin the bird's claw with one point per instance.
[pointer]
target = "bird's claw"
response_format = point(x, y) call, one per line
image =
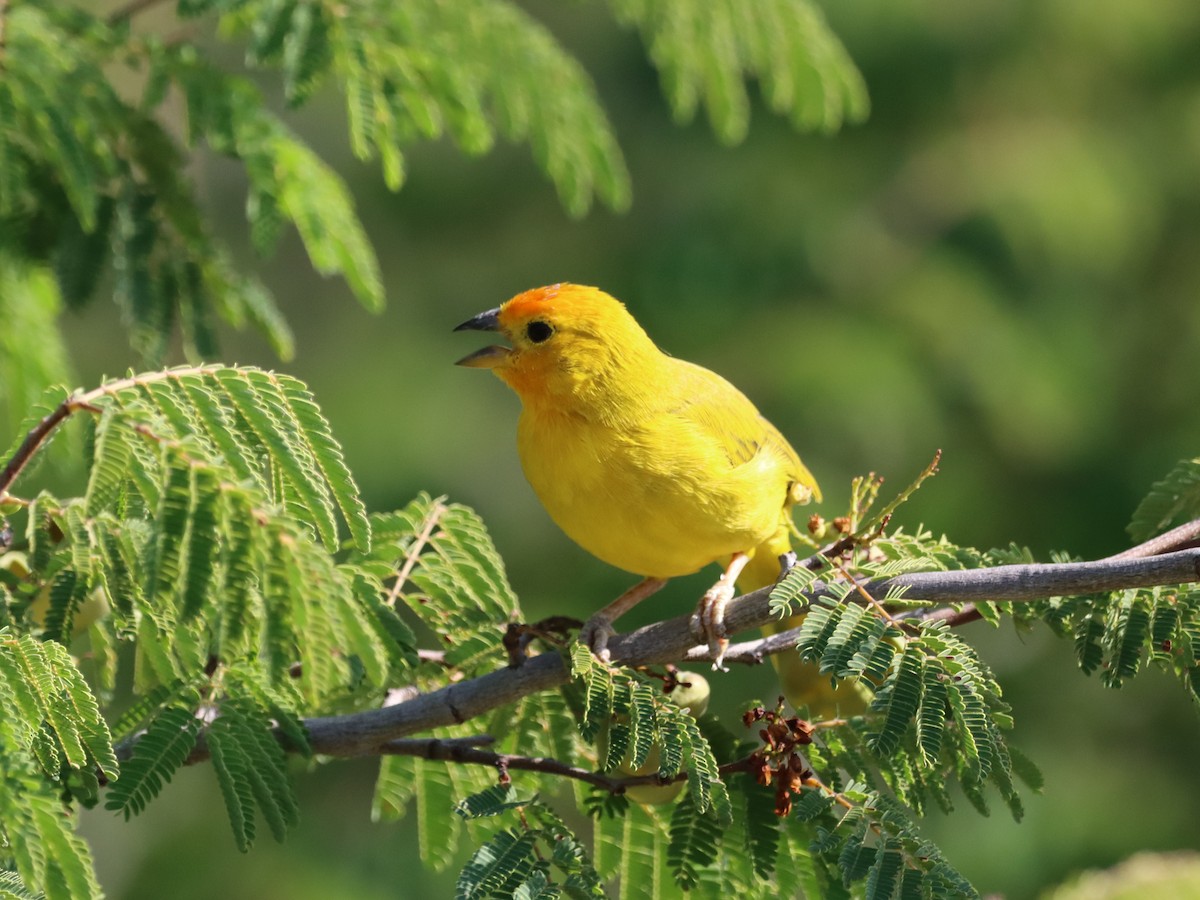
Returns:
point(708, 622)
point(595, 634)
point(787, 562)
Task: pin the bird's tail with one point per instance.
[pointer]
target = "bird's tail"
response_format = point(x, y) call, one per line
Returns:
point(802, 684)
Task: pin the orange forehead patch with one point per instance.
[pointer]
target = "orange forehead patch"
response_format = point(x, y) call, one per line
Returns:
point(529, 303)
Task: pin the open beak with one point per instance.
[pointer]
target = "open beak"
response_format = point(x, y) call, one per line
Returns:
point(485, 321)
point(488, 357)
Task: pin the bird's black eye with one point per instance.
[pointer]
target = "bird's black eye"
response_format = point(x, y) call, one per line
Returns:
point(538, 331)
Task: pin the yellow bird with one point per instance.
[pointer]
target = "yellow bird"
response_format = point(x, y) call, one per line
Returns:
point(653, 464)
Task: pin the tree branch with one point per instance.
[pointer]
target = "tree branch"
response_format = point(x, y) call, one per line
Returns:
point(467, 751)
point(36, 437)
point(366, 733)
point(1184, 537)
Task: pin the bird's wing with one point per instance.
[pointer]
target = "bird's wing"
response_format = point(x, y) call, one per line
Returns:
point(723, 414)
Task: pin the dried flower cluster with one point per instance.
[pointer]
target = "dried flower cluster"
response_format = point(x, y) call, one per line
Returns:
point(779, 761)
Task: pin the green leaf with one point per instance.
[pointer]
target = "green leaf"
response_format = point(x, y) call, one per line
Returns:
point(13, 888)
point(395, 786)
point(1174, 498)
point(232, 767)
point(1126, 635)
point(641, 843)
point(250, 767)
point(704, 52)
point(111, 459)
point(326, 454)
point(598, 690)
point(885, 873)
point(160, 751)
point(493, 801)
point(931, 719)
point(498, 867)
point(762, 826)
point(813, 804)
point(437, 829)
point(693, 842)
point(899, 699)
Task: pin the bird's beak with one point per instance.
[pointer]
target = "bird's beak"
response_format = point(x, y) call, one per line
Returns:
point(488, 357)
point(485, 321)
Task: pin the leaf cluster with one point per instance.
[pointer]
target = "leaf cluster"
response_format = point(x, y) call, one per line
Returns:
point(53, 741)
point(95, 195)
point(525, 861)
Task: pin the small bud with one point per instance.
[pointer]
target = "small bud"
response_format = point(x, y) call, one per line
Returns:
point(798, 767)
point(783, 804)
point(801, 730)
point(779, 732)
point(760, 770)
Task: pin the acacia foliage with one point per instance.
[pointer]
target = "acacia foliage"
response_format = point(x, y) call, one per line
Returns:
point(220, 562)
point(100, 118)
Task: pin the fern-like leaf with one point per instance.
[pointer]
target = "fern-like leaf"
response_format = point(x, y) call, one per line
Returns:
point(492, 801)
point(160, 751)
point(704, 52)
point(251, 770)
point(899, 699)
point(1174, 498)
point(693, 842)
point(598, 691)
point(497, 867)
point(642, 838)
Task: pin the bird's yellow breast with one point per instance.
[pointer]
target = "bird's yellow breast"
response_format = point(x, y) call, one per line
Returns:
point(657, 498)
point(653, 464)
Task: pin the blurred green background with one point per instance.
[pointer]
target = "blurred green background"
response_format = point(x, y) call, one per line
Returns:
point(1002, 262)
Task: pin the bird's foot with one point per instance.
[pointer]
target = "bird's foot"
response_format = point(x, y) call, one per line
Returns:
point(595, 634)
point(708, 622)
point(787, 562)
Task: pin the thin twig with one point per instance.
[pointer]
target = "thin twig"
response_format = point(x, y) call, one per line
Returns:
point(862, 592)
point(814, 782)
point(414, 551)
point(79, 402)
point(36, 437)
point(822, 557)
point(1181, 538)
point(467, 751)
point(750, 653)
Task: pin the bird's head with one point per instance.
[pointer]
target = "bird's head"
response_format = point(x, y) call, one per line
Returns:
point(568, 342)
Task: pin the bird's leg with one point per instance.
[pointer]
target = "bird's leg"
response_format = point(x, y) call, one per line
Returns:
point(598, 629)
point(708, 622)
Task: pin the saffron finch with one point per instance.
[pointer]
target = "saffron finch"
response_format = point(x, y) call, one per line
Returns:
point(654, 465)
